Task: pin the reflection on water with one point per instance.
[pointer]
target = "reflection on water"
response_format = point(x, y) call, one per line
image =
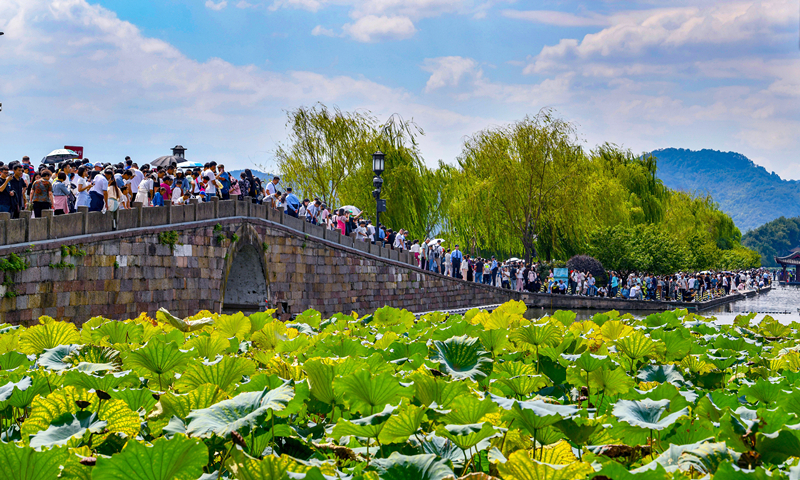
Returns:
point(782, 303)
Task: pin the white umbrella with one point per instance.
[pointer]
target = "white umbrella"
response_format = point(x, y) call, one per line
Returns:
point(190, 165)
point(435, 240)
point(60, 155)
point(514, 259)
point(351, 209)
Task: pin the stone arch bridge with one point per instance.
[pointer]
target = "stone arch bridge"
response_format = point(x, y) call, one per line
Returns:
point(218, 255)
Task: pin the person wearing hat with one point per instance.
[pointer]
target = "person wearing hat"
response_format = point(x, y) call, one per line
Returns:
point(98, 166)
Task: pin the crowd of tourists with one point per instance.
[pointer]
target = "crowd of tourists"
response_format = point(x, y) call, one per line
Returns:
point(106, 187)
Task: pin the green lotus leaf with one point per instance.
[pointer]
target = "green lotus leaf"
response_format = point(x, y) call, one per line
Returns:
point(589, 362)
point(92, 354)
point(208, 345)
point(537, 335)
point(321, 372)
point(202, 397)
point(240, 411)
point(105, 382)
point(468, 409)
point(178, 458)
point(669, 459)
point(12, 360)
point(119, 332)
point(577, 429)
point(159, 359)
point(42, 383)
point(367, 392)
point(402, 351)
point(54, 358)
point(707, 457)
point(68, 427)
point(402, 424)
point(163, 316)
point(466, 436)
point(430, 389)
point(9, 388)
point(120, 418)
point(45, 409)
point(533, 415)
point(661, 374)
point(729, 471)
point(636, 345)
point(418, 467)
point(764, 391)
point(689, 431)
point(224, 372)
point(617, 471)
point(608, 381)
point(494, 341)
point(370, 426)
point(245, 467)
point(39, 338)
point(777, 447)
point(236, 325)
point(522, 467)
point(137, 399)
point(523, 385)
point(647, 413)
point(462, 358)
point(25, 463)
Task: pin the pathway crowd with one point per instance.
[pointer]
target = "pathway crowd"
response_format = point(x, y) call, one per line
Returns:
point(105, 187)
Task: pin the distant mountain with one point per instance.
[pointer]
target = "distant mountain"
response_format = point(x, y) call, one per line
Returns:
point(747, 192)
point(256, 173)
point(777, 238)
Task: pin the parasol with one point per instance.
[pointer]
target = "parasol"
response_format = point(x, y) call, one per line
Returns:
point(59, 156)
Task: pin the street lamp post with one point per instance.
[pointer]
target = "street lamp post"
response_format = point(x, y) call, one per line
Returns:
point(378, 165)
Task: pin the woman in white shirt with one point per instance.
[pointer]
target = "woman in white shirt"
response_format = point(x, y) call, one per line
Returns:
point(448, 264)
point(400, 240)
point(82, 199)
point(144, 193)
point(177, 195)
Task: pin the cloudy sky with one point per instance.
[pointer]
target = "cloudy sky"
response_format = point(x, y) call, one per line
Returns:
point(125, 77)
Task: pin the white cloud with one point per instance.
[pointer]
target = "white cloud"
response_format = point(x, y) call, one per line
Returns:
point(448, 71)
point(216, 6)
point(320, 30)
point(310, 5)
point(373, 28)
point(243, 4)
point(561, 19)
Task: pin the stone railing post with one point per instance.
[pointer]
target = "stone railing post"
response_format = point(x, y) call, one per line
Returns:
point(84, 213)
point(168, 206)
point(215, 201)
point(26, 215)
point(248, 201)
point(5, 217)
point(138, 207)
point(48, 214)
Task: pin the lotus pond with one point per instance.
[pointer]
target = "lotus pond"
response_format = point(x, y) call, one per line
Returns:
point(390, 396)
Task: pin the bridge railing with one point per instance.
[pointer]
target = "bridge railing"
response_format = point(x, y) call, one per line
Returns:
point(27, 230)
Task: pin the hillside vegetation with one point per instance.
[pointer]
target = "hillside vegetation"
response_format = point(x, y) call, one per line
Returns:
point(776, 238)
point(747, 192)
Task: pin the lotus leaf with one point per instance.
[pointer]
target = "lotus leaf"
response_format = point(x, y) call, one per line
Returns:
point(178, 458)
point(418, 467)
point(462, 357)
point(239, 412)
point(647, 413)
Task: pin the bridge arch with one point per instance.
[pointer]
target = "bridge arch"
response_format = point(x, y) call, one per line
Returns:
point(245, 284)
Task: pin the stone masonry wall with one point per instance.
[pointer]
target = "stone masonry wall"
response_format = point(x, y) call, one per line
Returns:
point(125, 272)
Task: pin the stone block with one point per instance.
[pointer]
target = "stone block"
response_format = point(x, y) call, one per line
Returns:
point(38, 229)
point(177, 214)
point(315, 230)
point(154, 216)
point(242, 208)
point(258, 210)
point(128, 218)
point(226, 208)
point(275, 215)
point(16, 231)
point(205, 211)
point(294, 223)
point(362, 245)
point(98, 222)
point(393, 255)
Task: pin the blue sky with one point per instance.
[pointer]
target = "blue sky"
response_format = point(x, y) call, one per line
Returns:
point(135, 78)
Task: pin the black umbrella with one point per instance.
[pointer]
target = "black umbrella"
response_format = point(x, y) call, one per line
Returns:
point(166, 161)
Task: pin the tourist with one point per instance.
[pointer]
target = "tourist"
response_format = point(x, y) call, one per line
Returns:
point(361, 231)
point(456, 258)
point(42, 194)
point(7, 200)
point(114, 195)
point(61, 195)
point(225, 181)
point(271, 190)
point(292, 204)
point(158, 198)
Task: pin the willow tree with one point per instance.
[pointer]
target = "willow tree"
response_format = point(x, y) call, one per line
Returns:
point(326, 147)
point(329, 155)
point(518, 182)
